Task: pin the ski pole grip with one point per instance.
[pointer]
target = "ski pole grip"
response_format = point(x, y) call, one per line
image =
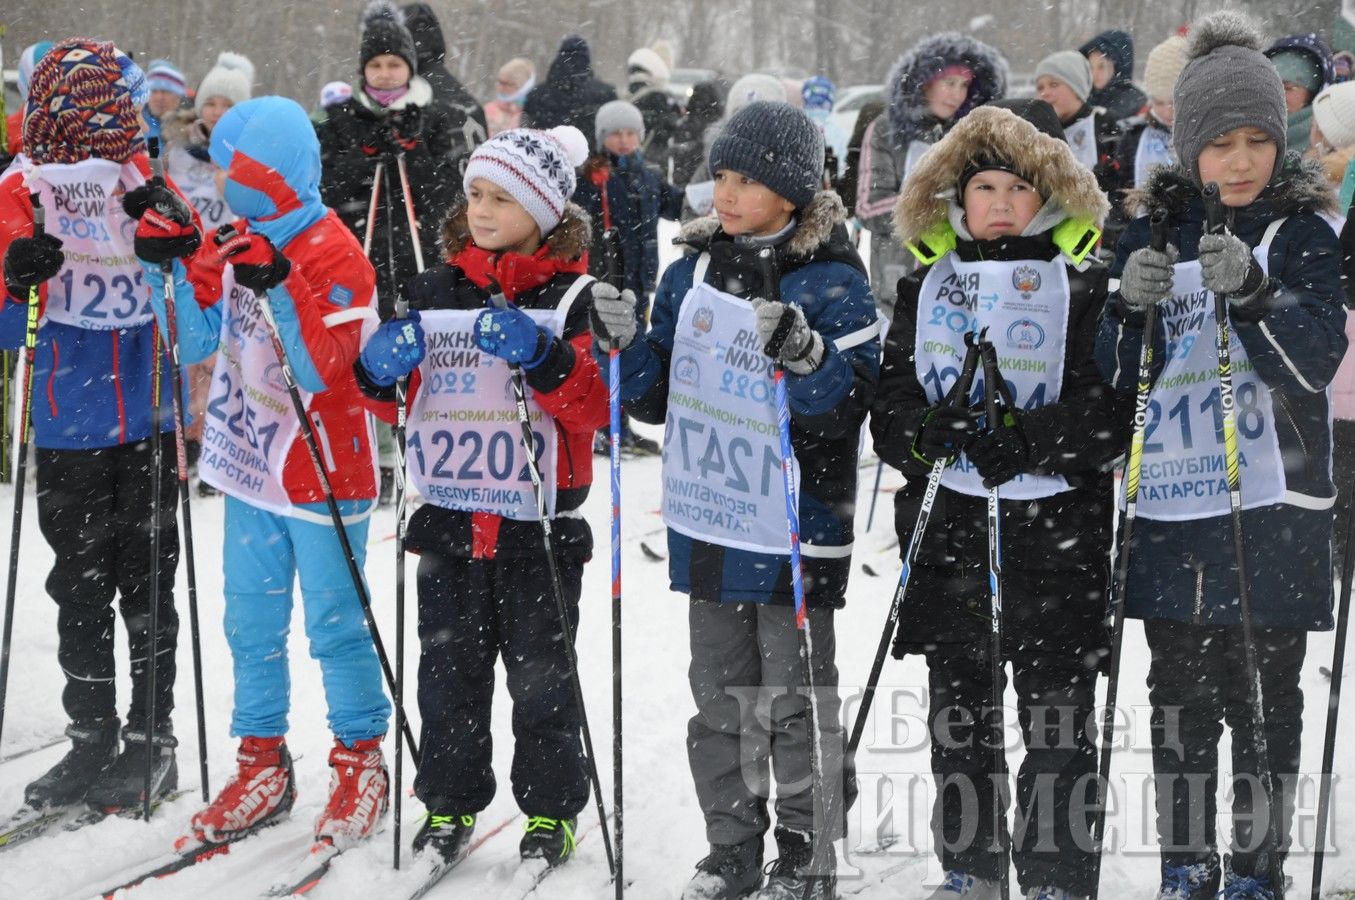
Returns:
point(611, 255)
point(990, 382)
point(1157, 225)
point(771, 291)
point(496, 296)
point(39, 215)
point(1213, 209)
point(959, 394)
point(157, 161)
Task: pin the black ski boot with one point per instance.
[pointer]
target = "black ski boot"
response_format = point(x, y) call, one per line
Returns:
point(94, 748)
point(445, 837)
point(729, 872)
point(548, 839)
point(792, 876)
point(123, 785)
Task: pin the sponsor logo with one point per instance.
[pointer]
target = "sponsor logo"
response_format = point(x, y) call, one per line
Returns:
point(687, 371)
point(1026, 280)
point(703, 320)
point(1025, 334)
point(340, 296)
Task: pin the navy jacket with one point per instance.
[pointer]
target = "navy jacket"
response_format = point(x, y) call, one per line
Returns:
point(631, 198)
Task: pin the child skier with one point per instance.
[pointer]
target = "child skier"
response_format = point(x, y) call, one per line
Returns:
point(1280, 266)
point(92, 414)
point(1002, 205)
point(293, 255)
point(483, 581)
point(768, 165)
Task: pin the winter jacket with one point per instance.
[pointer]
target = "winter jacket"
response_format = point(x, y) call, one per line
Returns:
point(822, 273)
point(91, 388)
point(626, 194)
point(1055, 550)
point(884, 158)
point(465, 119)
point(1120, 98)
point(661, 115)
point(1298, 133)
point(570, 95)
point(1131, 132)
point(1185, 570)
point(850, 182)
point(688, 148)
point(353, 140)
point(567, 385)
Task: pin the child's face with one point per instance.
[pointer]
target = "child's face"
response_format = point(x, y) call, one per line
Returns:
point(749, 207)
point(162, 103)
point(498, 223)
point(213, 108)
point(1103, 68)
point(623, 142)
point(386, 72)
point(1296, 97)
point(1058, 95)
point(1163, 110)
point(946, 95)
point(999, 203)
point(1240, 162)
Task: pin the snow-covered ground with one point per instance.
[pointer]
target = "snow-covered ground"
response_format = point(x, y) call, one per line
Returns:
point(663, 833)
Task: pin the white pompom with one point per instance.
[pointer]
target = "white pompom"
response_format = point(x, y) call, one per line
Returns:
point(575, 144)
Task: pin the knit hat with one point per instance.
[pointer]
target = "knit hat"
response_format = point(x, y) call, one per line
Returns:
point(774, 144)
point(384, 31)
point(618, 115)
point(1227, 83)
point(27, 60)
point(535, 167)
point(1334, 111)
point(334, 93)
point(163, 75)
point(518, 70)
point(1298, 67)
point(1071, 68)
point(751, 88)
point(1035, 111)
point(644, 65)
point(818, 93)
point(232, 77)
point(1164, 65)
point(84, 101)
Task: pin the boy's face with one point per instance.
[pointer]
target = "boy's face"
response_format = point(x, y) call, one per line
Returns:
point(1240, 162)
point(1103, 69)
point(498, 223)
point(749, 207)
point(1163, 110)
point(998, 203)
point(213, 109)
point(1296, 97)
point(1058, 95)
point(386, 72)
point(623, 142)
point(946, 95)
point(162, 103)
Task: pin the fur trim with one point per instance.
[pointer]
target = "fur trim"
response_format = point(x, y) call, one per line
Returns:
point(1301, 187)
point(988, 132)
point(909, 117)
point(569, 240)
point(177, 127)
point(1224, 28)
point(815, 228)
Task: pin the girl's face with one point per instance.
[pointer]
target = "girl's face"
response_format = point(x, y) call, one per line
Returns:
point(946, 95)
point(1296, 97)
point(1103, 69)
point(1058, 95)
point(623, 142)
point(213, 108)
point(749, 207)
point(1240, 162)
point(386, 72)
point(1163, 110)
point(998, 204)
point(498, 223)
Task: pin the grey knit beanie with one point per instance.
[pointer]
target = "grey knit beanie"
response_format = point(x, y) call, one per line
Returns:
point(1227, 83)
point(774, 144)
point(618, 115)
point(1071, 68)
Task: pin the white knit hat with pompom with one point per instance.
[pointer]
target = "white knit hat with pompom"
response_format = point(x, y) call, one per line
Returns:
point(535, 167)
point(232, 77)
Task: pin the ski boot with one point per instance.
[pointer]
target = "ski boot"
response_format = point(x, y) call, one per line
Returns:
point(445, 837)
point(791, 876)
point(729, 872)
point(961, 884)
point(548, 839)
point(359, 793)
point(260, 793)
point(94, 749)
point(1245, 887)
point(123, 784)
point(1192, 881)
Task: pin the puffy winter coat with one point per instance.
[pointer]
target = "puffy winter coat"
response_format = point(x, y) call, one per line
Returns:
point(688, 149)
point(626, 194)
point(1120, 98)
point(1186, 570)
point(570, 95)
point(465, 119)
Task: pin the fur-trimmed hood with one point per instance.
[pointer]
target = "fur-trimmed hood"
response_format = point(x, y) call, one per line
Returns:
point(814, 229)
point(182, 126)
point(988, 132)
point(1300, 187)
point(908, 115)
point(569, 240)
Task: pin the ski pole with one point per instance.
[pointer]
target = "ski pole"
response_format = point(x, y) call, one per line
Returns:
point(958, 396)
point(992, 382)
point(181, 463)
point(6, 437)
point(610, 239)
point(1213, 204)
point(566, 629)
point(377, 177)
point(20, 469)
point(153, 637)
point(409, 212)
point(1132, 470)
point(1338, 657)
point(875, 493)
point(354, 571)
point(771, 288)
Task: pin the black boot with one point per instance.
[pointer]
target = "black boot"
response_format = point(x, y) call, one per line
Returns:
point(444, 837)
point(793, 875)
point(548, 839)
point(94, 748)
point(123, 784)
point(729, 872)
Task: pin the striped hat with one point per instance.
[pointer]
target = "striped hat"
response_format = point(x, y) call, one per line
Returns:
point(163, 75)
point(535, 167)
point(84, 101)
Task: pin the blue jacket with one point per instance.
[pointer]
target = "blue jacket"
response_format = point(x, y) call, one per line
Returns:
point(1186, 571)
point(821, 271)
point(631, 197)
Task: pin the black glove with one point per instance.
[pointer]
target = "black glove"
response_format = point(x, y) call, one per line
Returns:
point(30, 261)
point(946, 432)
point(165, 228)
point(1002, 453)
point(406, 126)
point(258, 264)
point(379, 140)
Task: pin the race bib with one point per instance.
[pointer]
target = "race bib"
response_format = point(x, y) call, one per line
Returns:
point(1024, 306)
point(196, 178)
point(1081, 137)
point(1155, 150)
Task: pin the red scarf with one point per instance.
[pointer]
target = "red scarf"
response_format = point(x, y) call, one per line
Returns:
point(516, 274)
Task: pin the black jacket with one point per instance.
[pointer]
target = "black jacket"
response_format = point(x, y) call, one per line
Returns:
point(632, 199)
point(661, 115)
point(570, 95)
point(688, 148)
point(465, 117)
point(1119, 98)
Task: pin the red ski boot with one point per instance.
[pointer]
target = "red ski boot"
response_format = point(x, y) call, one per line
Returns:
point(261, 792)
point(359, 793)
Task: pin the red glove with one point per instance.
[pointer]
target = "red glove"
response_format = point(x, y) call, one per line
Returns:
point(258, 264)
point(165, 228)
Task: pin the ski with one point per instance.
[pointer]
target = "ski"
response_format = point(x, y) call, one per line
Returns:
point(20, 754)
point(650, 553)
point(307, 875)
point(530, 874)
point(876, 878)
point(29, 823)
point(440, 868)
point(185, 857)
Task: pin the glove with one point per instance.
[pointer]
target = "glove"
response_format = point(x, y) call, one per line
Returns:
point(30, 261)
point(394, 350)
point(1228, 267)
point(258, 264)
point(379, 141)
point(406, 126)
point(945, 433)
point(1147, 277)
point(801, 348)
point(511, 335)
point(165, 228)
point(613, 316)
point(1002, 453)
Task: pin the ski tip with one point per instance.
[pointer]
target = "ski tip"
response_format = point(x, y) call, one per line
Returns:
point(865, 567)
point(650, 553)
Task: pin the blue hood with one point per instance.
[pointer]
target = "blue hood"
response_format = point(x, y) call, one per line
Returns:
point(272, 160)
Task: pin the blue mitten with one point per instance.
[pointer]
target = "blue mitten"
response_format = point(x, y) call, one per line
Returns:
point(511, 335)
point(394, 350)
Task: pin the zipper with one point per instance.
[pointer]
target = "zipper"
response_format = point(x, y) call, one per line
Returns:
point(1199, 595)
point(1293, 426)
